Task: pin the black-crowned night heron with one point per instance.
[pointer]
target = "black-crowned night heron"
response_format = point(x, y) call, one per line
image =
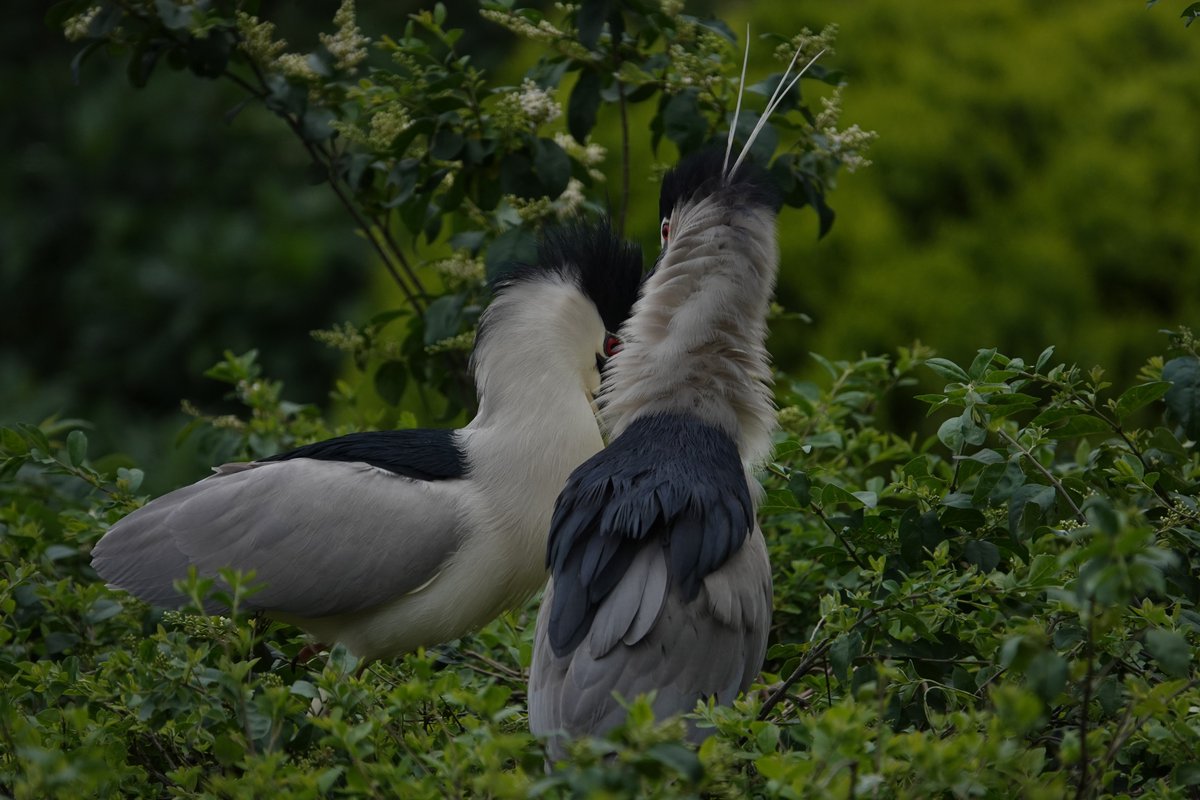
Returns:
point(391, 540)
point(660, 580)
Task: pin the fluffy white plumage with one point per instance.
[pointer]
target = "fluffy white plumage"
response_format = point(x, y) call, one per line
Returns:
point(384, 548)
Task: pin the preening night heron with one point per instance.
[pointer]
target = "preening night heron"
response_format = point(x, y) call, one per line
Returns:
point(390, 540)
point(660, 580)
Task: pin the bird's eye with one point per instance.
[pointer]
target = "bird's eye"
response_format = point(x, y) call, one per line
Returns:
point(612, 346)
point(664, 231)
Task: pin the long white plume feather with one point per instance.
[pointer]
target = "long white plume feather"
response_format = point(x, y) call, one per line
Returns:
point(738, 109)
point(777, 96)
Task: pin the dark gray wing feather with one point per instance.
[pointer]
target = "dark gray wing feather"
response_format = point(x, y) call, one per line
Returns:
point(323, 537)
point(668, 480)
point(683, 650)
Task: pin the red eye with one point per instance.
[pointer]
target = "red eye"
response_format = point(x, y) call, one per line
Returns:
point(665, 230)
point(612, 346)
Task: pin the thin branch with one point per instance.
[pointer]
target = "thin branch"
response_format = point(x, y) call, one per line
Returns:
point(404, 262)
point(845, 542)
point(1055, 482)
point(814, 655)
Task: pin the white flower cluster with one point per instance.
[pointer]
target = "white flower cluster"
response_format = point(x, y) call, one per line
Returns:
point(460, 269)
point(295, 65)
point(348, 46)
point(258, 39)
point(77, 27)
point(590, 155)
point(847, 146)
point(544, 31)
point(386, 125)
point(809, 44)
point(570, 201)
point(344, 337)
point(462, 343)
point(538, 104)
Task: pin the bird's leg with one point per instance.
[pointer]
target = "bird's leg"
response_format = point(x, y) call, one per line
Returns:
point(308, 652)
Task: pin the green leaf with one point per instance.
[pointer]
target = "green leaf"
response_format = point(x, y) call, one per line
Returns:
point(1047, 675)
point(76, 448)
point(1183, 398)
point(919, 532)
point(1170, 650)
point(948, 370)
point(678, 758)
point(81, 56)
point(391, 379)
point(950, 434)
point(683, 122)
point(174, 16)
point(982, 361)
point(1139, 396)
point(800, 488)
point(1082, 425)
point(12, 443)
point(842, 652)
point(305, 689)
point(552, 165)
point(443, 317)
point(1043, 358)
point(446, 144)
point(984, 555)
point(227, 751)
point(592, 14)
point(1031, 494)
point(583, 105)
point(513, 247)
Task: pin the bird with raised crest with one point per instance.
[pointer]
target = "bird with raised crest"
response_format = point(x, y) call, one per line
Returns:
point(391, 540)
point(660, 581)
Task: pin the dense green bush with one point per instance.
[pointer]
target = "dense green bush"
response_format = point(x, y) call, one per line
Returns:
point(1007, 609)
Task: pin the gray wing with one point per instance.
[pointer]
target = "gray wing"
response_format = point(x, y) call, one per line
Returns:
point(323, 537)
point(645, 637)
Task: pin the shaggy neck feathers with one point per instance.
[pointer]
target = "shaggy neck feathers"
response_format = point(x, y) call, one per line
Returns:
point(696, 340)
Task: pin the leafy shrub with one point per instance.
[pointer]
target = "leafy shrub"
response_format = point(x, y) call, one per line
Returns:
point(1007, 608)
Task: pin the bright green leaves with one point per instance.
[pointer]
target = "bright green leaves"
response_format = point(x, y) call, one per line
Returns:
point(1032, 565)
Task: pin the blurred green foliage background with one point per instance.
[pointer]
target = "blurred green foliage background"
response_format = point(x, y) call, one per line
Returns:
point(1035, 182)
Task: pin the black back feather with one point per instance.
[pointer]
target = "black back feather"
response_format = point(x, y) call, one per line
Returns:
point(669, 480)
point(427, 454)
point(699, 174)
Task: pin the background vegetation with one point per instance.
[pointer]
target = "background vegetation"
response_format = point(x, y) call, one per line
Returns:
point(998, 598)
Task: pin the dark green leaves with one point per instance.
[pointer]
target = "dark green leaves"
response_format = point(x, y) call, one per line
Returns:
point(583, 105)
point(1183, 397)
point(1170, 650)
point(683, 123)
point(76, 448)
point(391, 378)
point(515, 246)
point(443, 317)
